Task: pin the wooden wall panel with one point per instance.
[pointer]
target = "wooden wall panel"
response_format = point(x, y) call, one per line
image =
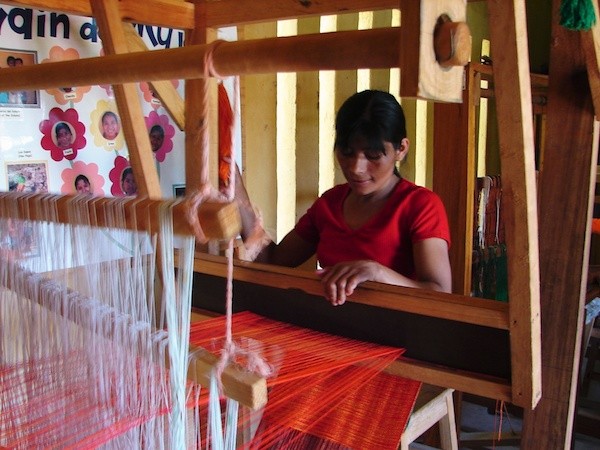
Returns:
point(308, 161)
point(259, 139)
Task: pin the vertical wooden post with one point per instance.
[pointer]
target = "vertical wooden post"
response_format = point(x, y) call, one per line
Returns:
point(454, 146)
point(508, 29)
point(198, 121)
point(566, 187)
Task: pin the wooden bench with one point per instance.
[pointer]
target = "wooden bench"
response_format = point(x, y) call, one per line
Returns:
point(434, 405)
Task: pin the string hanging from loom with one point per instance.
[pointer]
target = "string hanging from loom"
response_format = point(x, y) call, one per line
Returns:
point(82, 360)
point(227, 183)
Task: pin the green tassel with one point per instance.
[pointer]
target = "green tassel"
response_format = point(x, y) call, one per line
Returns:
point(577, 15)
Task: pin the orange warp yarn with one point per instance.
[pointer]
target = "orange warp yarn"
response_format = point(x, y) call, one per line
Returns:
point(329, 391)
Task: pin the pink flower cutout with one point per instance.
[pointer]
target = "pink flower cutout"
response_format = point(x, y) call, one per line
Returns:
point(161, 134)
point(63, 134)
point(65, 94)
point(149, 95)
point(109, 89)
point(115, 175)
point(84, 175)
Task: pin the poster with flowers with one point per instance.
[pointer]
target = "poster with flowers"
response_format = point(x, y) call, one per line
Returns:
point(69, 139)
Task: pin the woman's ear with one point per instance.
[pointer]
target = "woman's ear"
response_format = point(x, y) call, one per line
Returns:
point(402, 150)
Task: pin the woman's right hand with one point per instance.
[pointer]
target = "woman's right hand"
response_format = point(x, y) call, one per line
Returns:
point(340, 281)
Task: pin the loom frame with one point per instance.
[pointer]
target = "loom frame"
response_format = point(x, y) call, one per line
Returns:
point(521, 317)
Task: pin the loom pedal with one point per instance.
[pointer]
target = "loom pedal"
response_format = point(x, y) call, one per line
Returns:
point(434, 404)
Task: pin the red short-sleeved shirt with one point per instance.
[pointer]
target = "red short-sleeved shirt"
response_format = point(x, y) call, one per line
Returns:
point(411, 214)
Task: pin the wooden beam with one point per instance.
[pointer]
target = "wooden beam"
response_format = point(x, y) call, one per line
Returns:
point(201, 98)
point(179, 14)
point(238, 12)
point(488, 313)
point(508, 28)
point(566, 189)
point(590, 42)
point(422, 74)
point(176, 14)
point(462, 381)
point(330, 51)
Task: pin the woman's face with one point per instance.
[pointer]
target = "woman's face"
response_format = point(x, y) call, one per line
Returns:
point(110, 127)
point(82, 187)
point(129, 185)
point(156, 140)
point(64, 138)
point(369, 171)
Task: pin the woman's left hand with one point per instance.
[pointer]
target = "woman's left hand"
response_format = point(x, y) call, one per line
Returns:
point(339, 281)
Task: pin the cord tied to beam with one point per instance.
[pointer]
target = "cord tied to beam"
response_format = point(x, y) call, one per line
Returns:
point(231, 351)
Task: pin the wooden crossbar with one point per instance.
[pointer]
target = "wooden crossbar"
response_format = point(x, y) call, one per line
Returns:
point(477, 311)
point(378, 48)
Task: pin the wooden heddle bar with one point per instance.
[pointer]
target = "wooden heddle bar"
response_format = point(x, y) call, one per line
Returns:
point(218, 220)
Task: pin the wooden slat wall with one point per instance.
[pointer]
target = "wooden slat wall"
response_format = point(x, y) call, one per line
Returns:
point(259, 139)
point(267, 159)
point(308, 163)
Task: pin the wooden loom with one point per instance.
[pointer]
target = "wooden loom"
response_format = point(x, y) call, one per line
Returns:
point(519, 321)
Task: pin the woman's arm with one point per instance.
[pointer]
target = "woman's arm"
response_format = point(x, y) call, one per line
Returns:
point(432, 265)
point(290, 252)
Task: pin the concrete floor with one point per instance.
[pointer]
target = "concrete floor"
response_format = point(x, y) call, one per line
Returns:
point(478, 417)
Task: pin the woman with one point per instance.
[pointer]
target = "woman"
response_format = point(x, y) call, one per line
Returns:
point(82, 184)
point(377, 226)
point(128, 184)
point(64, 136)
point(110, 126)
point(157, 137)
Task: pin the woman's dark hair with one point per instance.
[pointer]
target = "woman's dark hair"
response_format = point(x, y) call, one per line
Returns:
point(159, 129)
point(375, 115)
point(109, 114)
point(62, 126)
point(81, 177)
point(126, 171)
